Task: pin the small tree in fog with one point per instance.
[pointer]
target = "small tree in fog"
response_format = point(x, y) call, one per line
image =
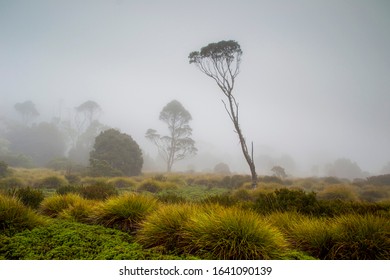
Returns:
point(114, 151)
point(221, 62)
point(178, 144)
point(27, 111)
point(279, 172)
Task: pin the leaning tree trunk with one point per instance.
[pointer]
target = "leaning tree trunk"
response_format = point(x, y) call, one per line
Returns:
point(249, 158)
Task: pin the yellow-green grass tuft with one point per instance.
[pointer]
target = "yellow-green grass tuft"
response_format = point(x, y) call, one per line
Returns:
point(232, 233)
point(52, 206)
point(124, 212)
point(163, 229)
point(16, 217)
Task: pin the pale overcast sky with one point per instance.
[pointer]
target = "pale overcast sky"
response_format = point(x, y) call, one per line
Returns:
point(314, 80)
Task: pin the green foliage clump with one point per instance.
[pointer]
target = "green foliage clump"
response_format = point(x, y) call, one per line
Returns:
point(118, 151)
point(52, 182)
point(124, 212)
point(11, 183)
point(3, 169)
point(67, 189)
point(155, 186)
point(29, 196)
point(286, 200)
point(16, 217)
point(98, 191)
point(232, 233)
point(62, 240)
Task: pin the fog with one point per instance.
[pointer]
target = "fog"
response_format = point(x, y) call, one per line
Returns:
point(314, 83)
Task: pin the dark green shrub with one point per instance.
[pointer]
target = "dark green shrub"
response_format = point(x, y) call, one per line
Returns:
point(381, 180)
point(150, 185)
point(11, 183)
point(52, 182)
point(98, 191)
point(30, 197)
point(287, 200)
point(3, 169)
point(73, 179)
point(67, 189)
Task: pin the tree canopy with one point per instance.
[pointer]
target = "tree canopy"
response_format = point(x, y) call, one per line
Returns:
point(116, 151)
point(178, 144)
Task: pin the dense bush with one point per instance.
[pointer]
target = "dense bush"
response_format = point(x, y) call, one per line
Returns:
point(63, 240)
point(381, 180)
point(29, 196)
point(124, 212)
point(52, 182)
point(3, 169)
point(286, 200)
point(67, 189)
point(16, 217)
point(98, 191)
point(11, 183)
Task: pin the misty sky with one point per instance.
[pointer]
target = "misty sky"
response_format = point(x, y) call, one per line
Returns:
point(314, 80)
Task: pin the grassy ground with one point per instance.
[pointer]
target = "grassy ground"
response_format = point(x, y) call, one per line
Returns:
point(45, 215)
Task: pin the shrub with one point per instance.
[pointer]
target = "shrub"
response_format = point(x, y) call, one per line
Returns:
point(16, 217)
point(63, 240)
point(123, 183)
point(3, 169)
point(52, 182)
point(338, 192)
point(124, 212)
point(11, 183)
point(67, 189)
point(150, 185)
point(98, 191)
point(381, 180)
point(232, 233)
point(30, 197)
point(374, 194)
point(73, 179)
point(170, 197)
point(164, 228)
point(54, 205)
point(286, 200)
point(361, 237)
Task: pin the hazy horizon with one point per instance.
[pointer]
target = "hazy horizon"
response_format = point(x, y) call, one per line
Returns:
point(314, 82)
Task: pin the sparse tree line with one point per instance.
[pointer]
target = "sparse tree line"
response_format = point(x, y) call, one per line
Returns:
point(81, 141)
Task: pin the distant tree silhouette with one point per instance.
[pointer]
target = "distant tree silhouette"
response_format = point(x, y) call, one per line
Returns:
point(178, 144)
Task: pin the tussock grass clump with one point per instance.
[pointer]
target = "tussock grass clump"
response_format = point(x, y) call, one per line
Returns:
point(51, 182)
point(98, 192)
point(16, 217)
point(232, 233)
point(163, 229)
point(123, 183)
point(155, 186)
point(312, 235)
point(29, 196)
point(124, 212)
point(361, 237)
point(79, 211)
point(54, 205)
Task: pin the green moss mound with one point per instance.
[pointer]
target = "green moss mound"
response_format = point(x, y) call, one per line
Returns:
point(62, 240)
